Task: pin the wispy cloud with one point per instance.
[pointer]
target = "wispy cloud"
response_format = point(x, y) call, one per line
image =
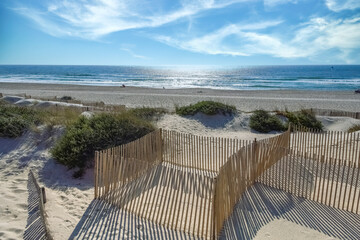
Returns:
point(340, 5)
point(132, 53)
point(309, 39)
point(96, 18)
point(214, 43)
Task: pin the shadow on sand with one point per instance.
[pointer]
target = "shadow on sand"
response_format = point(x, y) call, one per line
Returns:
point(262, 204)
point(213, 121)
point(259, 206)
point(104, 221)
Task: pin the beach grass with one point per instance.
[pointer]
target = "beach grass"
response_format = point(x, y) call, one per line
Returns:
point(14, 120)
point(304, 117)
point(354, 128)
point(65, 116)
point(264, 122)
point(206, 107)
point(147, 113)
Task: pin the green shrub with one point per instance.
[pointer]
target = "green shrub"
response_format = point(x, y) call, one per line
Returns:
point(304, 118)
point(15, 120)
point(147, 113)
point(354, 128)
point(85, 136)
point(262, 121)
point(206, 107)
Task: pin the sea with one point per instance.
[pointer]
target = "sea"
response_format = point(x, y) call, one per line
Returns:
point(307, 77)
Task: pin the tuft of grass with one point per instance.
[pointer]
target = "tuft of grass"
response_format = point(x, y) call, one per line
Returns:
point(262, 121)
point(354, 128)
point(206, 107)
point(58, 115)
point(147, 113)
point(15, 120)
point(304, 118)
point(85, 136)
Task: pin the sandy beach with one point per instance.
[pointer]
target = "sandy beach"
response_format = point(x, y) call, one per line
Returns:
point(70, 200)
point(169, 98)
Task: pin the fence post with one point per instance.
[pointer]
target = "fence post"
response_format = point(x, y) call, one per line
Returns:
point(43, 194)
point(255, 162)
point(161, 146)
point(289, 138)
point(214, 208)
point(95, 175)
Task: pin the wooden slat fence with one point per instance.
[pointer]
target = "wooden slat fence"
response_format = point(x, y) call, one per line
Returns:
point(335, 113)
point(240, 172)
point(166, 177)
point(192, 183)
point(199, 152)
point(118, 166)
point(320, 166)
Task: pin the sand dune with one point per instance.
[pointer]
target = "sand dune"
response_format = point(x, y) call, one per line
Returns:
point(69, 199)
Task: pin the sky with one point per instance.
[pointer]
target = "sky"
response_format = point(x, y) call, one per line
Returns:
point(184, 32)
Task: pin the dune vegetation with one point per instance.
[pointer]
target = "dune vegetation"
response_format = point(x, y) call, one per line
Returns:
point(86, 135)
point(354, 128)
point(304, 117)
point(206, 107)
point(14, 120)
point(264, 122)
point(147, 113)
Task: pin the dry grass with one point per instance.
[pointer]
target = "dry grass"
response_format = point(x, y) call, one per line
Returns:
point(59, 115)
point(354, 128)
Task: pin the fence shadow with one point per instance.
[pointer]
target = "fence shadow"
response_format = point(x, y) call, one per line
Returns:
point(261, 204)
point(36, 224)
point(102, 220)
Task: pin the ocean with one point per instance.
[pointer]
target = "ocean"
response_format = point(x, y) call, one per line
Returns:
point(318, 77)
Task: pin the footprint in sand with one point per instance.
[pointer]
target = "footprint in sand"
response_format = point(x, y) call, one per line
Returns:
point(64, 198)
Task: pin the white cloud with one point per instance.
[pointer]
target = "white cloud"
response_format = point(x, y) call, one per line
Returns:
point(95, 18)
point(320, 33)
point(340, 5)
point(310, 39)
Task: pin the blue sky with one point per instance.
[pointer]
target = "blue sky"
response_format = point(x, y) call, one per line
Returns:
point(185, 32)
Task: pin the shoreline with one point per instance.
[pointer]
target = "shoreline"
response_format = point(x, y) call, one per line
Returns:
point(244, 100)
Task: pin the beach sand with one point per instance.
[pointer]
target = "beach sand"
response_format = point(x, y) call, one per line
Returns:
point(70, 200)
point(169, 98)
